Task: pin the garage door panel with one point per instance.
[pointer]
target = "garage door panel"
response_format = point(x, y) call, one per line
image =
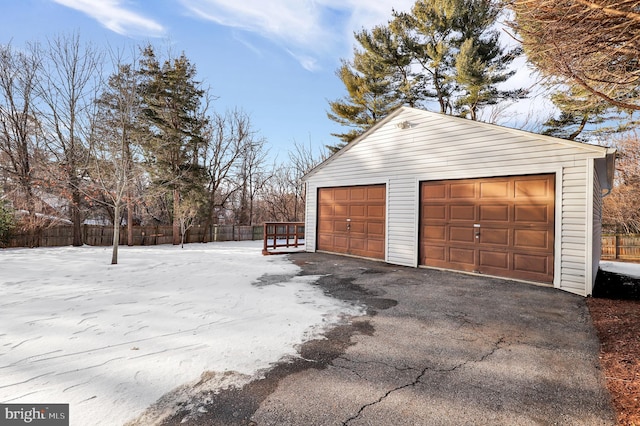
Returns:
point(341, 210)
point(434, 233)
point(434, 253)
point(356, 243)
point(458, 234)
point(375, 246)
point(462, 212)
point(532, 188)
point(462, 190)
point(494, 213)
point(375, 211)
point(341, 194)
point(434, 191)
point(357, 227)
point(530, 263)
point(435, 212)
point(357, 211)
point(375, 229)
point(531, 238)
point(325, 196)
point(358, 194)
point(376, 194)
point(341, 243)
point(326, 210)
point(512, 216)
point(495, 259)
point(462, 256)
point(494, 236)
point(325, 241)
point(326, 227)
point(532, 213)
point(494, 189)
point(340, 226)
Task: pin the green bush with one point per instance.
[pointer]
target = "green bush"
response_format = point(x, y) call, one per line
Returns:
point(7, 222)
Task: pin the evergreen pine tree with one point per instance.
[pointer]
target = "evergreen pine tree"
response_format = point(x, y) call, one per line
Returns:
point(442, 50)
point(370, 98)
point(582, 114)
point(481, 62)
point(171, 101)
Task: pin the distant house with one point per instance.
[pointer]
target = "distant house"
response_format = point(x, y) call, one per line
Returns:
point(432, 190)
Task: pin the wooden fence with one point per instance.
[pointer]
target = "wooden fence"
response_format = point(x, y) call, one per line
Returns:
point(621, 247)
point(96, 235)
point(624, 247)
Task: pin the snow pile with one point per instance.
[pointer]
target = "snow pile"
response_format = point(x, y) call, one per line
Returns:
point(111, 340)
point(631, 270)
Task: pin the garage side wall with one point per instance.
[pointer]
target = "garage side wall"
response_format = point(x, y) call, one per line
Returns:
point(597, 230)
point(435, 147)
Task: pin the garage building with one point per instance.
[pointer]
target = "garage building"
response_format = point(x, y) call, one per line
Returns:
point(432, 190)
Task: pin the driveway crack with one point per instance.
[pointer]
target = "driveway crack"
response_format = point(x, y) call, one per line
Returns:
point(364, 407)
point(494, 348)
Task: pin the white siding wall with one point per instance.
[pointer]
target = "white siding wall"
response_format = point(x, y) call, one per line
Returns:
point(597, 229)
point(439, 147)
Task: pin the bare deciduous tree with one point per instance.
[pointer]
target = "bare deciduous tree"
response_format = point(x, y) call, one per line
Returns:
point(252, 177)
point(67, 85)
point(621, 206)
point(116, 145)
point(19, 127)
point(225, 139)
point(283, 198)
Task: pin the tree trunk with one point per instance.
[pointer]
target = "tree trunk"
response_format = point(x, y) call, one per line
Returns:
point(32, 225)
point(116, 236)
point(208, 221)
point(129, 221)
point(76, 218)
point(176, 217)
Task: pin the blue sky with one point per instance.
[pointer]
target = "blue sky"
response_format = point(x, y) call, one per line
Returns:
point(275, 59)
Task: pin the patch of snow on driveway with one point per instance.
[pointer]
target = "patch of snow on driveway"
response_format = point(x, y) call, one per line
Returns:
point(110, 340)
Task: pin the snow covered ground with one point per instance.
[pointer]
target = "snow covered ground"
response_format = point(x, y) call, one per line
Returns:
point(111, 340)
point(628, 269)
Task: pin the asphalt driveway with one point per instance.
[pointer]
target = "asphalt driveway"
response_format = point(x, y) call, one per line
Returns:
point(435, 348)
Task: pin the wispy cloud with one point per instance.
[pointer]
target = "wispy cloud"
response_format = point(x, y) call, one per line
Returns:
point(307, 29)
point(116, 17)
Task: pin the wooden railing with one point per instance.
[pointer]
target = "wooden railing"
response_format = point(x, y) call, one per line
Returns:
point(278, 235)
point(621, 247)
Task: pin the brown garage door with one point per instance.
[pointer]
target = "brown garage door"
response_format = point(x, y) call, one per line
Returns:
point(497, 226)
point(351, 220)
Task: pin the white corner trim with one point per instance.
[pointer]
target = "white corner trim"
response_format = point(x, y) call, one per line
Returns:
point(416, 222)
point(557, 245)
point(588, 285)
point(387, 191)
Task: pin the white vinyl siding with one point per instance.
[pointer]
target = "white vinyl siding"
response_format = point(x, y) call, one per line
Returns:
point(438, 147)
